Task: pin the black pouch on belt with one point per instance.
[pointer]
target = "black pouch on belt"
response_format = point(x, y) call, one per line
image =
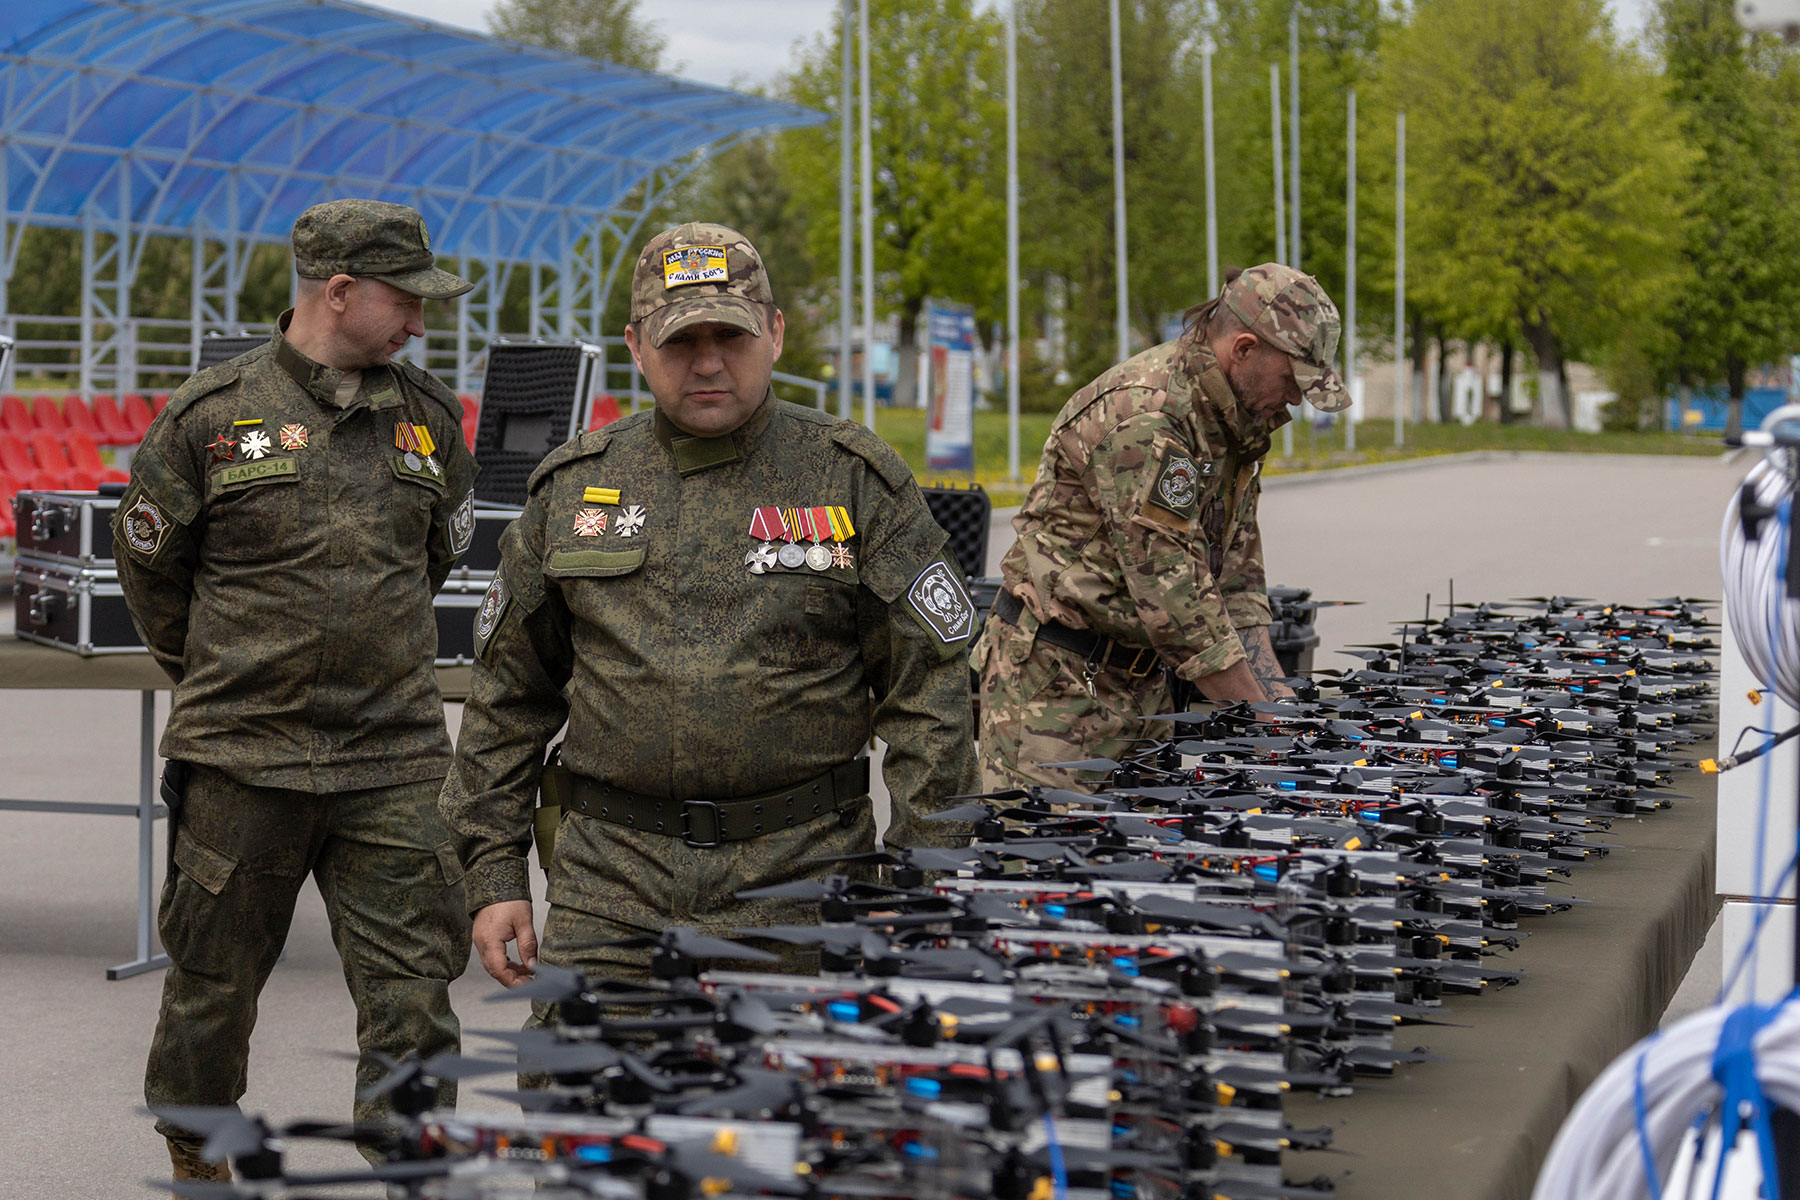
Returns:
point(174, 795)
point(555, 786)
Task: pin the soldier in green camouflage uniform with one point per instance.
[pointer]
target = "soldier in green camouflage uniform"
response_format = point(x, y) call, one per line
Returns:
point(290, 515)
point(719, 683)
point(1138, 555)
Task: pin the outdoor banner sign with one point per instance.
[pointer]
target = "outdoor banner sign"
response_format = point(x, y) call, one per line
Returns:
point(950, 387)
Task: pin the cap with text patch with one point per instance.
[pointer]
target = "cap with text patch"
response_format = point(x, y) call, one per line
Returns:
point(698, 273)
point(1291, 312)
point(372, 239)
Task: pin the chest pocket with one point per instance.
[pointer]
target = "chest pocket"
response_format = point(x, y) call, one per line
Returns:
point(418, 492)
point(254, 511)
point(810, 618)
point(591, 583)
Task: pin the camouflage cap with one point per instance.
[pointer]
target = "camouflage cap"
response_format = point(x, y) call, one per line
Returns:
point(375, 240)
point(1291, 312)
point(695, 273)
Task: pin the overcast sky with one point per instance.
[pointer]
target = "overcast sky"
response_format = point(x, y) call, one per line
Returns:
point(738, 42)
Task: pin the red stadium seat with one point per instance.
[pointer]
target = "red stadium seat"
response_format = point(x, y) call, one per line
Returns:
point(52, 457)
point(137, 414)
point(604, 412)
point(15, 458)
point(86, 459)
point(159, 402)
point(471, 425)
point(47, 414)
point(471, 405)
point(9, 487)
point(114, 431)
point(78, 480)
point(79, 417)
point(14, 416)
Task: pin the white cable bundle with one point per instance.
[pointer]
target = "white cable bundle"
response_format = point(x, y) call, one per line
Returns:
point(1597, 1153)
point(1755, 592)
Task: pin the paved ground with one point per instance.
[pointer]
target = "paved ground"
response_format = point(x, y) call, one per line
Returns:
point(72, 1044)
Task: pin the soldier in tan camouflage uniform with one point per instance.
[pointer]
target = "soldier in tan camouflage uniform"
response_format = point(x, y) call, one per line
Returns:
point(723, 598)
point(290, 515)
point(1138, 555)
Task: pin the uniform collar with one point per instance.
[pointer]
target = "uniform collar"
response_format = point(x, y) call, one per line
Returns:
point(1250, 434)
point(320, 381)
point(693, 454)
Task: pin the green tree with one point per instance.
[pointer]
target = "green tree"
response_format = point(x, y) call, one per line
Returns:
point(1735, 95)
point(938, 145)
point(603, 29)
point(1544, 178)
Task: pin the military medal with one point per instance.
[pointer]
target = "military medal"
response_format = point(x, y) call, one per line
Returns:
point(412, 461)
point(415, 440)
point(630, 521)
point(256, 444)
point(818, 527)
point(765, 524)
point(840, 556)
point(790, 554)
point(293, 437)
point(590, 522)
point(431, 465)
point(221, 448)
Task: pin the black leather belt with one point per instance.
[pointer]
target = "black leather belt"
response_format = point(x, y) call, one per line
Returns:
point(1135, 661)
point(705, 823)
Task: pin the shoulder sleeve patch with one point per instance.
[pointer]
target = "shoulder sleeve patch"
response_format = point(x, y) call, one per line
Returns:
point(143, 526)
point(582, 446)
point(1176, 487)
point(878, 454)
point(488, 617)
point(942, 603)
point(462, 524)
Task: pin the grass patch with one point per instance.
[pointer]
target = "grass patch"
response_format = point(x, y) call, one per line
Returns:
point(1314, 449)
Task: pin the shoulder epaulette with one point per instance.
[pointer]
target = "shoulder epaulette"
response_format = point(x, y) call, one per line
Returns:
point(862, 442)
point(585, 445)
point(204, 383)
point(434, 387)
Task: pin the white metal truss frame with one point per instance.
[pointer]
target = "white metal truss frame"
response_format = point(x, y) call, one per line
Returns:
point(112, 123)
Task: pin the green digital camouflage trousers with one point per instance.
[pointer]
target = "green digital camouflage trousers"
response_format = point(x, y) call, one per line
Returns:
point(1036, 708)
point(393, 893)
point(599, 869)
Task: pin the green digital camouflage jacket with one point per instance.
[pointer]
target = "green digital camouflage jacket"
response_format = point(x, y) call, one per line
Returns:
point(1141, 523)
point(279, 556)
point(626, 604)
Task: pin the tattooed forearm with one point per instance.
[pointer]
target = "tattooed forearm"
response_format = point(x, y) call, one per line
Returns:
point(1260, 653)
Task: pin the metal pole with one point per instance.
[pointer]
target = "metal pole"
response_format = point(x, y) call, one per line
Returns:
point(1119, 252)
point(1281, 249)
point(1294, 134)
point(1350, 414)
point(844, 235)
point(1212, 206)
point(868, 221)
point(1012, 241)
point(1281, 246)
point(1400, 380)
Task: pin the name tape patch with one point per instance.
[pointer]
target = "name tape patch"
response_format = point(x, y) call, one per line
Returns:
point(266, 468)
point(694, 264)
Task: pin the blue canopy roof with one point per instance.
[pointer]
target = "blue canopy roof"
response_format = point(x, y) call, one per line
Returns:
point(231, 116)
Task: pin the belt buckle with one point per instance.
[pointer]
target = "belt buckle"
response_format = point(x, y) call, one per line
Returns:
point(687, 824)
point(1148, 657)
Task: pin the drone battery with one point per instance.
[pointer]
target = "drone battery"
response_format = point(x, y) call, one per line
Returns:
point(455, 607)
point(75, 607)
point(66, 527)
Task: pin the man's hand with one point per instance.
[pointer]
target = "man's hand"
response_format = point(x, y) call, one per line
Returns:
point(1235, 683)
point(498, 924)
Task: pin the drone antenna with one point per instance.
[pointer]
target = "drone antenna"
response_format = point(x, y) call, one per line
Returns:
point(1428, 608)
point(1453, 595)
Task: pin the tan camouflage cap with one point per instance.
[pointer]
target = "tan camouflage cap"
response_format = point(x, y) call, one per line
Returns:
point(1291, 312)
point(696, 273)
point(375, 240)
